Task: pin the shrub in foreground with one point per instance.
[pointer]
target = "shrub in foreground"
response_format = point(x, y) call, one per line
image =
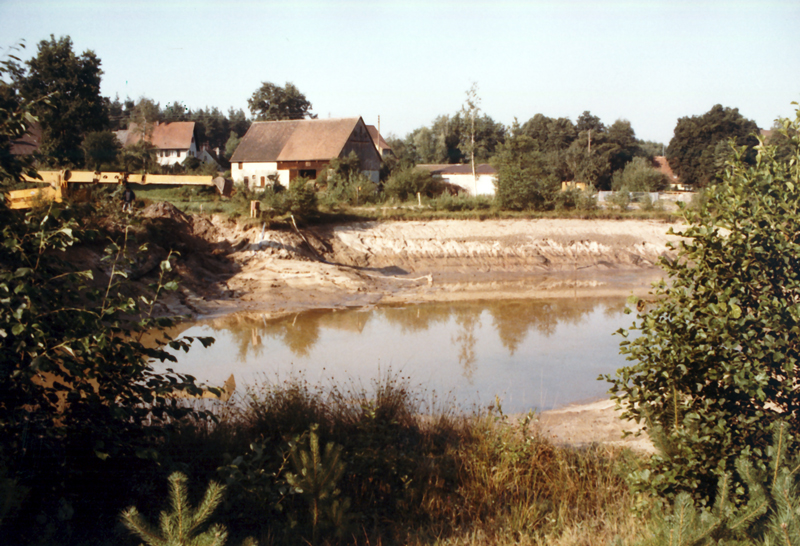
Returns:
point(717, 357)
point(382, 465)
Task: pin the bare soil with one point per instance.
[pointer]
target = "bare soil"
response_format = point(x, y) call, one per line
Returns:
point(229, 266)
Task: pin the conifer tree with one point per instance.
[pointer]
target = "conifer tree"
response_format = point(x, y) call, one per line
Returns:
point(179, 527)
point(316, 479)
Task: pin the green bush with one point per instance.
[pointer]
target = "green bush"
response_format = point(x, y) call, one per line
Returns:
point(344, 183)
point(461, 202)
point(301, 198)
point(81, 399)
point(575, 199)
point(639, 176)
point(620, 200)
point(716, 357)
point(407, 183)
point(519, 188)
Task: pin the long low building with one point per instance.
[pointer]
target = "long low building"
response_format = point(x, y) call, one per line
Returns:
point(280, 151)
point(461, 175)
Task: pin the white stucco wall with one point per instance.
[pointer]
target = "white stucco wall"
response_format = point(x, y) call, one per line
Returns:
point(255, 170)
point(485, 183)
point(175, 156)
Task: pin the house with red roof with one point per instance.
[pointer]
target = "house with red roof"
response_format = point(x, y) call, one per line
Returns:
point(280, 151)
point(174, 142)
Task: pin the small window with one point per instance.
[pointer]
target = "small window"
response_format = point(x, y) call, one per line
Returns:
point(263, 181)
point(240, 165)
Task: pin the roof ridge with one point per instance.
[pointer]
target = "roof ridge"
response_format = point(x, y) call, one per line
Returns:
point(304, 119)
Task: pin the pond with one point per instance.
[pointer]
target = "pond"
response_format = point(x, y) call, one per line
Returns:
point(532, 354)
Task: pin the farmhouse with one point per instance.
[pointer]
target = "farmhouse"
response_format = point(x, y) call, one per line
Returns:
point(461, 175)
point(279, 151)
point(174, 142)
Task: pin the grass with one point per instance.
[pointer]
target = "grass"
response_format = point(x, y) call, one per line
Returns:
point(444, 207)
point(418, 471)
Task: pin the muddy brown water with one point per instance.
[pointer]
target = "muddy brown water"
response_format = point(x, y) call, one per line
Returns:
point(532, 354)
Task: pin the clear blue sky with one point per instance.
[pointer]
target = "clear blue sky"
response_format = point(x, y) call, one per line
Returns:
point(650, 62)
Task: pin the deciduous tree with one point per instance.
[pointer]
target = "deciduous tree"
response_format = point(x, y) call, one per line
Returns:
point(639, 175)
point(100, 148)
point(74, 107)
point(717, 356)
point(523, 178)
point(79, 387)
point(692, 151)
point(145, 114)
point(16, 117)
point(272, 102)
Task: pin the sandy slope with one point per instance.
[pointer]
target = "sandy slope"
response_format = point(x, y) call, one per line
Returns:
point(363, 264)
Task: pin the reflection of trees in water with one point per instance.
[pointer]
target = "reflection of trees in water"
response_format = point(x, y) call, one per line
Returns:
point(514, 319)
point(416, 318)
point(243, 331)
point(464, 339)
point(298, 332)
point(614, 307)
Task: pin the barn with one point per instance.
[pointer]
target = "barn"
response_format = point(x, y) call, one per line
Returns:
point(279, 151)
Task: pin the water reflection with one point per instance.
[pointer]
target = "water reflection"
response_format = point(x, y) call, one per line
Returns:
point(472, 349)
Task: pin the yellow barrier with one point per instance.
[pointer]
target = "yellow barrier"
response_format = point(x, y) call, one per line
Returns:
point(89, 177)
point(25, 199)
point(60, 181)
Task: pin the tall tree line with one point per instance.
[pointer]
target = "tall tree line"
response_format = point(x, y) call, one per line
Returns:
point(76, 120)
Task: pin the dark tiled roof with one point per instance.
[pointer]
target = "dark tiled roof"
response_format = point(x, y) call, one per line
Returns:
point(466, 168)
point(30, 142)
point(295, 140)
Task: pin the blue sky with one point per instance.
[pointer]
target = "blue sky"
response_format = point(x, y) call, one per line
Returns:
point(650, 62)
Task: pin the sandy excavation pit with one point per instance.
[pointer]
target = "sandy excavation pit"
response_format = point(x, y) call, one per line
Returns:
point(227, 266)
